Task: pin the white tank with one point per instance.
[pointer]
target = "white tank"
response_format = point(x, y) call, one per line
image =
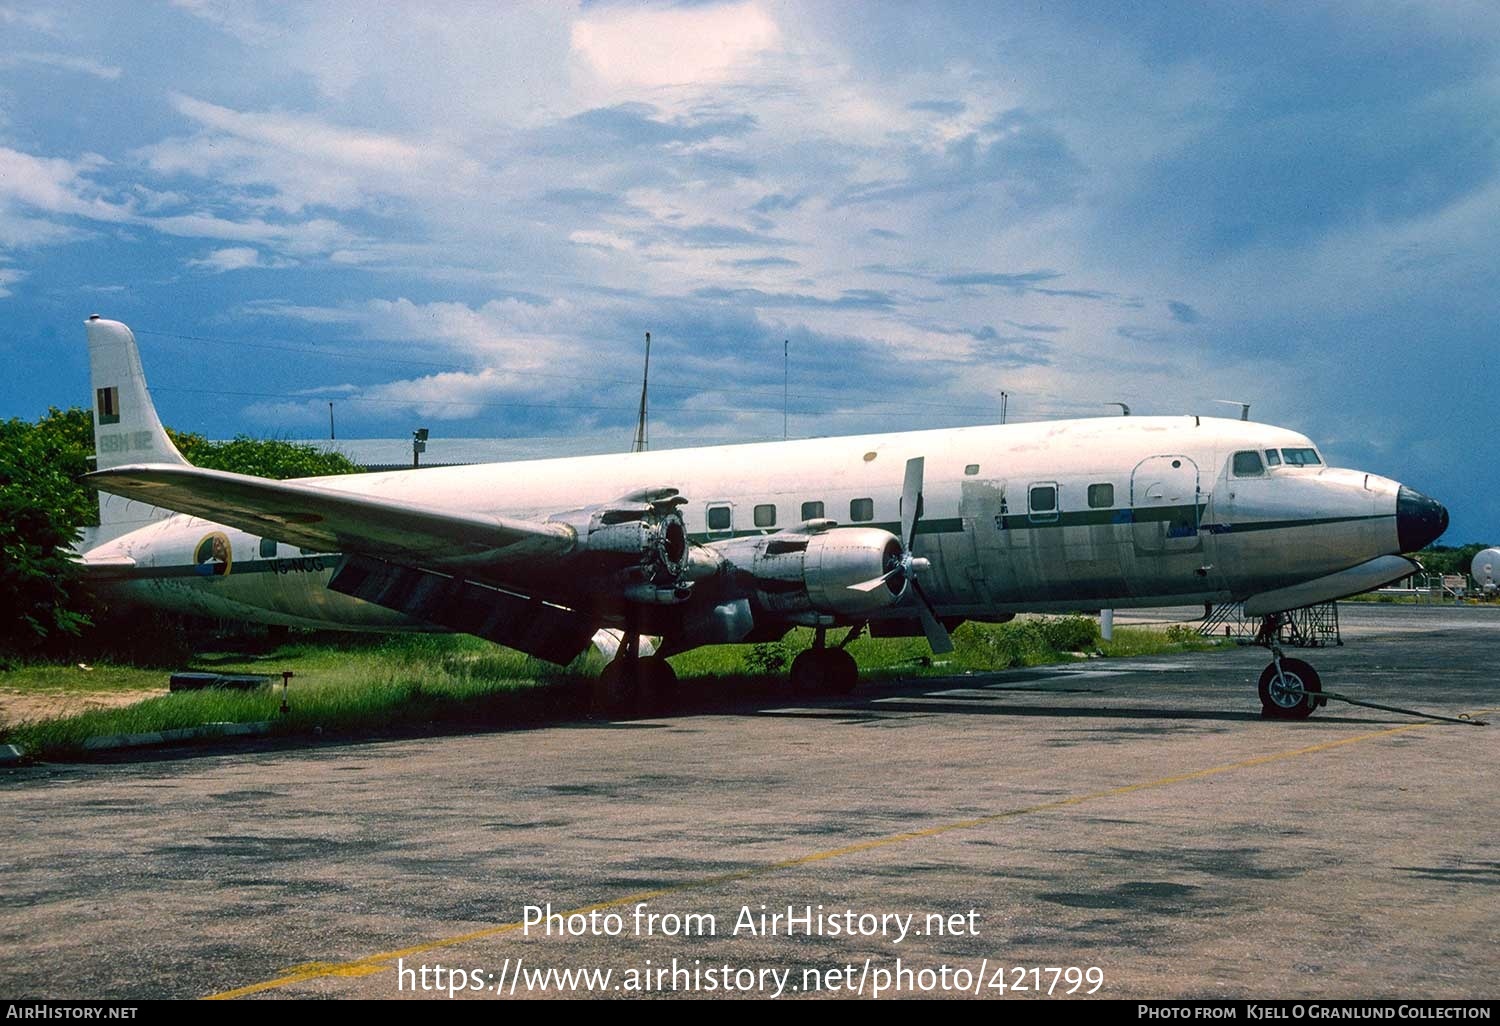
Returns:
point(1485, 569)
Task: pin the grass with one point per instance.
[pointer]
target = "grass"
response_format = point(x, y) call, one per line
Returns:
point(363, 685)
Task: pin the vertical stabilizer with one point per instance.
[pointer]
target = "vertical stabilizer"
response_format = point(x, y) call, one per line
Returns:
point(126, 427)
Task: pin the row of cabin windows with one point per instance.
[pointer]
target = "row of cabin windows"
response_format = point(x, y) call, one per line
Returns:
point(721, 518)
point(1043, 500)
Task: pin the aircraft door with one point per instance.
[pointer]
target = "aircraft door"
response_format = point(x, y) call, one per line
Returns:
point(1165, 503)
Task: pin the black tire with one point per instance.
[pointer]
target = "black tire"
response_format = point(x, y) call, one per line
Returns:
point(809, 673)
point(657, 686)
point(1296, 698)
point(825, 671)
point(842, 672)
point(614, 694)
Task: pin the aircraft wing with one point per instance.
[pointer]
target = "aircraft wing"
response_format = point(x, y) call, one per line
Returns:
point(328, 520)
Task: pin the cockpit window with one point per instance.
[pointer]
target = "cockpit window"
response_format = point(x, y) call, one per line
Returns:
point(1301, 458)
point(1247, 464)
point(1273, 458)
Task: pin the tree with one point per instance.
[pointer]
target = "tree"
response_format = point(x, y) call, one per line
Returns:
point(1449, 559)
point(262, 457)
point(41, 509)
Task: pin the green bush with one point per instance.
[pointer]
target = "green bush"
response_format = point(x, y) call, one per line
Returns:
point(1071, 633)
point(767, 658)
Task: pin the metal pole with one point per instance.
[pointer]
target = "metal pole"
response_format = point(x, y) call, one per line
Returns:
point(786, 378)
point(1106, 624)
point(331, 435)
point(641, 443)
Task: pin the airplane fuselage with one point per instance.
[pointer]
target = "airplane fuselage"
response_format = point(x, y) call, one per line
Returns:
point(1107, 512)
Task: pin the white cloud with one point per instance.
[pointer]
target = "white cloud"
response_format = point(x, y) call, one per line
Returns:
point(55, 186)
point(306, 161)
point(37, 21)
point(633, 47)
point(8, 277)
point(236, 258)
point(62, 62)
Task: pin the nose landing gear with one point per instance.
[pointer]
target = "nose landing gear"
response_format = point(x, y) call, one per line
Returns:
point(1290, 689)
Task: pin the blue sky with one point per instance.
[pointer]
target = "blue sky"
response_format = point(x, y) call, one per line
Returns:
point(466, 216)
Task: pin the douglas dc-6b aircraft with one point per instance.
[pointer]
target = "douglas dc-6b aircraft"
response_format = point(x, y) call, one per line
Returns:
point(898, 534)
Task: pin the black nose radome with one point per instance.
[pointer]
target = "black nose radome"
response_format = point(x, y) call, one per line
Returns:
point(1419, 520)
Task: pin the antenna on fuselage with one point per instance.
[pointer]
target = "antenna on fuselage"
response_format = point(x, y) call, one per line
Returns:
point(641, 444)
point(1124, 410)
point(1244, 406)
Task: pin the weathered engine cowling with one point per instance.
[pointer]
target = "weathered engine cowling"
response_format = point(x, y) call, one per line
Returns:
point(801, 573)
point(647, 543)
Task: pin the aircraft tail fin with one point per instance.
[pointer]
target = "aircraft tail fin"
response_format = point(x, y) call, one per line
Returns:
point(126, 427)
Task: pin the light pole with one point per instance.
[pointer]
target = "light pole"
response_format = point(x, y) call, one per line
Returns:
point(418, 445)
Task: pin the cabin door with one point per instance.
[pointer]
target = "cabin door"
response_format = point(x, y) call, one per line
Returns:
point(1165, 503)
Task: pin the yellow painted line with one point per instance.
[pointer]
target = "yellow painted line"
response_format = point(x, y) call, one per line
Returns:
point(371, 964)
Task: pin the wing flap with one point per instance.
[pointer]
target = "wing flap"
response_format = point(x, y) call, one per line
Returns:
point(517, 621)
point(328, 520)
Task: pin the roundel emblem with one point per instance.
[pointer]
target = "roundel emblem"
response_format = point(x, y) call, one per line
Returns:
point(212, 556)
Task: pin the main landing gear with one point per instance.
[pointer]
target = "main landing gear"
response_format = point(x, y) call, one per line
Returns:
point(633, 684)
point(824, 670)
point(1290, 689)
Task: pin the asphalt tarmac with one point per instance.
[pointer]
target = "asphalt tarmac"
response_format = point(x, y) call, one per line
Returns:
point(1131, 821)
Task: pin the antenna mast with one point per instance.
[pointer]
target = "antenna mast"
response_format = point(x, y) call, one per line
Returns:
point(641, 444)
point(786, 378)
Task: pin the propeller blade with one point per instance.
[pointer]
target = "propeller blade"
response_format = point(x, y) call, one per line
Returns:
point(937, 635)
point(911, 499)
point(873, 582)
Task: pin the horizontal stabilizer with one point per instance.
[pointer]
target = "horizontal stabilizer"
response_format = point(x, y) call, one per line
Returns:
point(323, 519)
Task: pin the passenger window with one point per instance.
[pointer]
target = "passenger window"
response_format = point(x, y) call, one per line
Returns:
point(971, 469)
point(861, 510)
point(812, 511)
point(1273, 458)
point(720, 518)
point(765, 515)
point(1247, 464)
point(1101, 496)
point(267, 549)
point(1044, 502)
point(1301, 458)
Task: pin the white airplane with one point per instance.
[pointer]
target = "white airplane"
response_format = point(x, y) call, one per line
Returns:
point(899, 534)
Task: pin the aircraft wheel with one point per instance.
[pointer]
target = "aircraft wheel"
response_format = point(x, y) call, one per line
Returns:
point(843, 671)
point(825, 671)
point(809, 673)
point(1295, 696)
point(614, 693)
point(658, 685)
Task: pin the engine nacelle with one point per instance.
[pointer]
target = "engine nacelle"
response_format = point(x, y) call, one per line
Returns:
point(788, 573)
point(647, 542)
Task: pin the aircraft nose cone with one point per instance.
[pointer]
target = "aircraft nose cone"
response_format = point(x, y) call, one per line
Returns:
point(1419, 520)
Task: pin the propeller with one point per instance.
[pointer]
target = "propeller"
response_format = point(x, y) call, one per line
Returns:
point(908, 566)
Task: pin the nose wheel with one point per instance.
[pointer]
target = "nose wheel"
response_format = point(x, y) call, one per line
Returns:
point(1289, 689)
